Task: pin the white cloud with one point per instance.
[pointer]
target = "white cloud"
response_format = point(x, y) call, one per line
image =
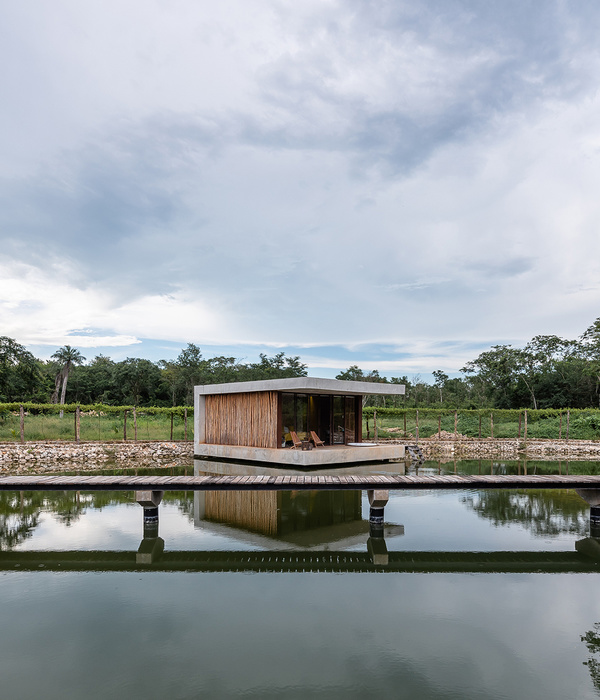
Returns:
point(323, 174)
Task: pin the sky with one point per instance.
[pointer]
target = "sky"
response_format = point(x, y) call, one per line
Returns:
point(393, 184)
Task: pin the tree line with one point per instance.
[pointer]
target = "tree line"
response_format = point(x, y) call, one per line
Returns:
point(549, 372)
point(68, 378)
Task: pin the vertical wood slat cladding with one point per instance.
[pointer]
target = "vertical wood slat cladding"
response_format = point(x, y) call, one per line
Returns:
point(242, 419)
point(253, 510)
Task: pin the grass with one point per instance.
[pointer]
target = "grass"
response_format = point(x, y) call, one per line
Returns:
point(93, 427)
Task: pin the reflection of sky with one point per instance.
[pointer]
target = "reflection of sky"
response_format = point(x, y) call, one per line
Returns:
point(439, 521)
point(296, 635)
point(343, 635)
point(432, 520)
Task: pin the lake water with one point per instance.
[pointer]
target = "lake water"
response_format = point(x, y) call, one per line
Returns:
point(465, 594)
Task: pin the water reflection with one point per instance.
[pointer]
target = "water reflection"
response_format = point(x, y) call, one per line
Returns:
point(429, 631)
point(296, 531)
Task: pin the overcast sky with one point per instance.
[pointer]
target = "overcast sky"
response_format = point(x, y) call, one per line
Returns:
point(397, 185)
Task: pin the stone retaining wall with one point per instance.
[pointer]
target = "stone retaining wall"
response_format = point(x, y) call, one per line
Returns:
point(93, 455)
point(507, 448)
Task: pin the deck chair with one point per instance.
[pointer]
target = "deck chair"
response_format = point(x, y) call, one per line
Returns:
point(296, 440)
point(315, 438)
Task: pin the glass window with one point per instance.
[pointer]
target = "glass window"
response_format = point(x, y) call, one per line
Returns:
point(350, 419)
point(339, 425)
point(288, 418)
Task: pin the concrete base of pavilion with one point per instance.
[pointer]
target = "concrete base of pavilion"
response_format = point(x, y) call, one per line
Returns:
point(319, 456)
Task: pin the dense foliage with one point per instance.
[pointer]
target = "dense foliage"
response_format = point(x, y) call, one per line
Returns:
point(134, 381)
point(548, 373)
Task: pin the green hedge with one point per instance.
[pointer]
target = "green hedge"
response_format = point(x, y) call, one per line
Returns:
point(97, 407)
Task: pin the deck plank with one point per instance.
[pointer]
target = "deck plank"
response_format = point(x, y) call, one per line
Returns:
point(295, 481)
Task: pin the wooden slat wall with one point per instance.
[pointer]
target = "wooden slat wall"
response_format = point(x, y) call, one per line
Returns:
point(242, 419)
point(252, 510)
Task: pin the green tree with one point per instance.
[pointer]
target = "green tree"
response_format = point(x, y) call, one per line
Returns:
point(139, 381)
point(67, 357)
point(20, 374)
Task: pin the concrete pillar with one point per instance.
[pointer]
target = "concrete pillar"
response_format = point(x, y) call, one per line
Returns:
point(199, 417)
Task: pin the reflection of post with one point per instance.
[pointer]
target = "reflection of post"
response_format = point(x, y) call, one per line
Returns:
point(152, 545)
point(377, 501)
point(376, 543)
point(592, 498)
point(150, 500)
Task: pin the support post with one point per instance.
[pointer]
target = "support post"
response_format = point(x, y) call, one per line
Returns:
point(124, 425)
point(134, 424)
point(77, 424)
point(150, 500)
point(171, 426)
point(378, 499)
point(22, 422)
point(185, 424)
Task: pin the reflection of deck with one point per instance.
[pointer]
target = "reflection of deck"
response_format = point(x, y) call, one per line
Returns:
point(296, 562)
point(320, 456)
point(265, 482)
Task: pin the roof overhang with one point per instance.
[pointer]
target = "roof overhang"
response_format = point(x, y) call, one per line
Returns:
point(303, 385)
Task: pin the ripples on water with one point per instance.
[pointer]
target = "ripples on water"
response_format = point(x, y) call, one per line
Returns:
point(463, 594)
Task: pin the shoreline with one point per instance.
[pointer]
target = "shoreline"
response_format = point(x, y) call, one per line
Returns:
point(54, 455)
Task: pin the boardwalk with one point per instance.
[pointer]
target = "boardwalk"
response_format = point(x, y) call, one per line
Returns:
point(296, 562)
point(293, 483)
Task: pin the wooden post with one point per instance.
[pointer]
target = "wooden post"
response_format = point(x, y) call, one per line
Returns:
point(171, 426)
point(519, 433)
point(455, 424)
point(480, 426)
point(185, 424)
point(368, 431)
point(560, 427)
point(417, 428)
point(125, 425)
point(134, 424)
point(22, 422)
point(440, 426)
point(404, 423)
point(568, 421)
point(375, 423)
point(77, 424)
point(492, 425)
point(525, 429)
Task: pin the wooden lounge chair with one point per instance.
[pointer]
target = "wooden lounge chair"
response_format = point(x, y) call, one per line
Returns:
point(296, 440)
point(315, 438)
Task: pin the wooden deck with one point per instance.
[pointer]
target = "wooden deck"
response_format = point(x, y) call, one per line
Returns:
point(296, 562)
point(292, 483)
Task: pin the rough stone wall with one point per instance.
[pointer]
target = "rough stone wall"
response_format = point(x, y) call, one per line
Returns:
point(93, 455)
point(506, 448)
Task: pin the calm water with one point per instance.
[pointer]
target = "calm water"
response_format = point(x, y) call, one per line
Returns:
point(294, 595)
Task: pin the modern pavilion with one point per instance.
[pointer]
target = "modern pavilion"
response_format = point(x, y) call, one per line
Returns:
point(258, 421)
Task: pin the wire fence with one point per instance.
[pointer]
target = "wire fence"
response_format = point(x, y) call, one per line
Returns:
point(84, 423)
point(555, 424)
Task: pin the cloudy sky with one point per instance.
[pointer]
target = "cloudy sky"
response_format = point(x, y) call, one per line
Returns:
point(393, 184)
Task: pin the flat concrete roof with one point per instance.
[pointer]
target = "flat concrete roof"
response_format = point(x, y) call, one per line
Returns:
point(303, 385)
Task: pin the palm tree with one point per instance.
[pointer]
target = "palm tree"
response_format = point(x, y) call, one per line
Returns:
point(68, 357)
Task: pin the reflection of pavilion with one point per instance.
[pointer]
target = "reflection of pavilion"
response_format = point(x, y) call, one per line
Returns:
point(301, 519)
